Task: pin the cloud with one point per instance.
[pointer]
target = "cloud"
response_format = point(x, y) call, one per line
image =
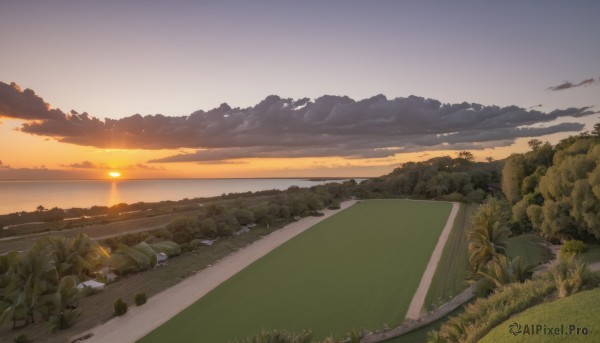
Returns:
point(25, 104)
point(568, 85)
point(278, 127)
point(87, 165)
point(101, 165)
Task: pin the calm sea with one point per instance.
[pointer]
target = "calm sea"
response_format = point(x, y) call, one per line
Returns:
point(27, 195)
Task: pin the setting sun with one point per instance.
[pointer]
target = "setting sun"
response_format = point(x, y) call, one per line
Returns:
point(114, 174)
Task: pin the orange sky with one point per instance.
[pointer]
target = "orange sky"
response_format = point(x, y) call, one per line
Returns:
point(20, 150)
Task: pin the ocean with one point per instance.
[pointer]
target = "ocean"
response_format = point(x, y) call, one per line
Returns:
point(28, 195)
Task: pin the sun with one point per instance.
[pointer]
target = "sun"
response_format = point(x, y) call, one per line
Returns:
point(114, 174)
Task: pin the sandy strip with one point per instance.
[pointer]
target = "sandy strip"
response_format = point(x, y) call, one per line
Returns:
point(414, 311)
point(140, 321)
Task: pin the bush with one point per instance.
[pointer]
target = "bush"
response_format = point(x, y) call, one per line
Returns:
point(572, 247)
point(482, 315)
point(63, 320)
point(22, 339)
point(120, 307)
point(279, 337)
point(140, 299)
point(570, 274)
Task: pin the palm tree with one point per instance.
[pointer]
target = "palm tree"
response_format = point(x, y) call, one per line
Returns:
point(13, 307)
point(29, 276)
point(466, 155)
point(489, 233)
point(501, 271)
point(75, 256)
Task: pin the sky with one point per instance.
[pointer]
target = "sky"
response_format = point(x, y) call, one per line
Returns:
point(204, 89)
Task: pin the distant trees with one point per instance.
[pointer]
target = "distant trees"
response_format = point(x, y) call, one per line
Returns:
point(453, 179)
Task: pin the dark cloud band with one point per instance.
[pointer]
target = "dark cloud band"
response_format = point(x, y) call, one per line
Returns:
point(280, 127)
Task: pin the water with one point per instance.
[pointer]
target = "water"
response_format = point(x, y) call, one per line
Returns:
point(28, 195)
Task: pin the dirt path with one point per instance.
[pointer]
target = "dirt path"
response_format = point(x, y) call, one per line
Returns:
point(414, 310)
point(139, 321)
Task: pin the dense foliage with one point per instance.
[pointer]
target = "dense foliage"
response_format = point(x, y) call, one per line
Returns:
point(556, 190)
point(444, 178)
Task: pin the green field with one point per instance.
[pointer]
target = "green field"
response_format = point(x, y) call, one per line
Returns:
point(529, 247)
point(580, 310)
point(451, 273)
point(592, 253)
point(359, 268)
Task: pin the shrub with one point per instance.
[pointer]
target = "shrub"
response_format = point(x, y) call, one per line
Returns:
point(120, 307)
point(87, 291)
point(278, 337)
point(22, 339)
point(570, 274)
point(572, 247)
point(485, 313)
point(63, 320)
point(140, 299)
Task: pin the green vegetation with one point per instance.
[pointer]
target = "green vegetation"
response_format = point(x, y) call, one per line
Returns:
point(570, 274)
point(140, 299)
point(353, 264)
point(489, 233)
point(530, 247)
point(275, 336)
point(420, 335)
point(572, 247)
point(485, 313)
point(445, 178)
point(451, 273)
point(580, 310)
point(120, 307)
point(556, 190)
point(592, 254)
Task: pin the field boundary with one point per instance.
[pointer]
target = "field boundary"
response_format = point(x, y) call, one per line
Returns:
point(410, 325)
point(414, 310)
point(140, 321)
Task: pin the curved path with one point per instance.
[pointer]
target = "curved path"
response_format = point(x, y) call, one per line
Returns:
point(140, 321)
point(414, 310)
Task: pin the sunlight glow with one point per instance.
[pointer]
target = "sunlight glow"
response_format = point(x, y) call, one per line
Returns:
point(114, 174)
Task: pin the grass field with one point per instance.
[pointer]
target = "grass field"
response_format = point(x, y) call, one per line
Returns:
point(450, 275)
point(529, 247)
point(359, 268)
point(580, 310)
point(592, 253)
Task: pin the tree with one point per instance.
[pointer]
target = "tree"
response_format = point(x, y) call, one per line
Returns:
point(466, 155)
point(489, 233)
point(40, 208)
point(501, 271)
point(534, 144)
point(28, 277)
point(489, 159)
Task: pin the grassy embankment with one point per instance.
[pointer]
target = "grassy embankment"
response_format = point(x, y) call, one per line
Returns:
point(580, 310)
point(359, 268)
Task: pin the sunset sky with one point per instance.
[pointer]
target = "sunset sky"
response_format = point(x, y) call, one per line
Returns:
point(158, 89)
